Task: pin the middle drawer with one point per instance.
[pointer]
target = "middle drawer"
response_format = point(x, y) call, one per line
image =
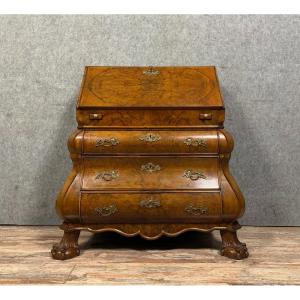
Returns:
point(150, 173)
point(154, 142)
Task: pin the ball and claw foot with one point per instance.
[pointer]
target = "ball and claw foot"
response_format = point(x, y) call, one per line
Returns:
point(68, 246)
point(232, 247)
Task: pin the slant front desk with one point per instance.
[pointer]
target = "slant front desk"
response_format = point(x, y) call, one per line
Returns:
point(150, 158)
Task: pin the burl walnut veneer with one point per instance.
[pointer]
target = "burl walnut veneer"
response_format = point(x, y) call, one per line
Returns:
point(150, 157)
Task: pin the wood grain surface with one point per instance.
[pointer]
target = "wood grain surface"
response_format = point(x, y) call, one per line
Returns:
point(189, 259)
point(150, 173)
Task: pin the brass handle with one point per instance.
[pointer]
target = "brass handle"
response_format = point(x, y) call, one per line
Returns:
point(108, 175)
point(150, 167)
point(151, 72)
point(150, 203)
point(205, 116)
point(194, 175)
point(107, 142)
point(195, 142)
point(106, 211)
point(196, 210)
point(96, 116)
point(150, 137)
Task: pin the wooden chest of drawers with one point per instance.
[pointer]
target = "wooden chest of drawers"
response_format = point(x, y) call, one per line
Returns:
point(150, 157)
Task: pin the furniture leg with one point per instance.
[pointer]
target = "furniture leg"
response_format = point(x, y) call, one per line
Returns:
point(231, 246)
point(68, 246)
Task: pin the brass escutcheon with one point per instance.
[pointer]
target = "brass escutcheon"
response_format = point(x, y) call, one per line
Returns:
point(196, 210)
point(96, 116)
point(150, 167)
point(194, 175)
point(150, 72)
point(205, 116)
point(195, 142)
point(150, 203)
point(107, 142)
point(150, 137)
point(106, 211)
point(108, 175)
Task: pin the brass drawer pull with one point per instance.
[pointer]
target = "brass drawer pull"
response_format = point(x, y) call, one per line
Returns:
point(108, 175)
point(193, 175)
point(150, 167)
point(150, 137)
point(195, 142)
point(150, 203)
point(205, 116)
point(96, 116)
point(107, 142)
point(106, 211)
point(151, 71)
point(196, 210)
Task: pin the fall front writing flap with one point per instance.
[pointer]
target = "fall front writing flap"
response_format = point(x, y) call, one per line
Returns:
point(131, 87)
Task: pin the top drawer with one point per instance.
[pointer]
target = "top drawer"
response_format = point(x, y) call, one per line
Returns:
point(154, 142)
point(150, 118)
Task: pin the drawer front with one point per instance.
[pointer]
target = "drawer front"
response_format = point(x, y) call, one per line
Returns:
point(150, 207)
point(106, 142)
point(150, 118)
point(150, 173)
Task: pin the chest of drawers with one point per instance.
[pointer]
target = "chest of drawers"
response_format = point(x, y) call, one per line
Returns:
point(150, 157)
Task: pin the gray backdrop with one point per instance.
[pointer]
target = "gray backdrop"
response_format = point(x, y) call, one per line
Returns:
point(42, 60)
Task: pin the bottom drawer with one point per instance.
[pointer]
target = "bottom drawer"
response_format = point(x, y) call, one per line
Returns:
point(150, 207)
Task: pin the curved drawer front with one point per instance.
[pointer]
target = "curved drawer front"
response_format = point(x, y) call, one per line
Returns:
point(155, 173)
point(109, 142)
point(150, 207)
point(150, 118)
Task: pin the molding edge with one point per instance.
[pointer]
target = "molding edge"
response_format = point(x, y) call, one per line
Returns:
point(149, 231)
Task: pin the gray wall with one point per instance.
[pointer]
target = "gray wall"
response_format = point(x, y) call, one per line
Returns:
point(42, 60)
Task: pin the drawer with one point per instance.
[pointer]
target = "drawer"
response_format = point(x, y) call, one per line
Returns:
point(137, 118)
point(110, 142)
point(157, 173)
point(150, 207)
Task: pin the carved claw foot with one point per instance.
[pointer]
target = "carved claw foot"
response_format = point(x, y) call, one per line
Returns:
point(231, 246)
point(68, 246)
